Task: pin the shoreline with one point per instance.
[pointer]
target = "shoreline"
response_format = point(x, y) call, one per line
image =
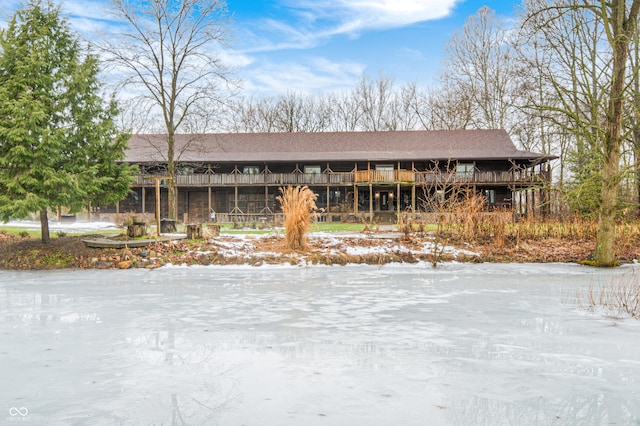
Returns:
point(69, 252)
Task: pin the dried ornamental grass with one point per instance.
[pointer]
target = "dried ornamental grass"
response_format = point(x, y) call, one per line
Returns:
point(299, 209)
point(619, 298)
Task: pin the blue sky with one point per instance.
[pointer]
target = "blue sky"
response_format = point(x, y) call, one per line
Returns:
point(311, 46)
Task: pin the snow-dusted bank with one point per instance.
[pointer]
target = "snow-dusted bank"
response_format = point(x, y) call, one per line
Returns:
point(285, 345)
point(76, 227)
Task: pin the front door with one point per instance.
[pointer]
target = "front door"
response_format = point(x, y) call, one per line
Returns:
point(385, 201)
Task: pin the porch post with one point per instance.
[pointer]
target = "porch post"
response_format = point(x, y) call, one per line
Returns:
point(158, 207)
point(370, 203)
point(413, 190)
point(144, 209)
point(235, 203)
point(355, 200)
point(398, 203)
point(370, 192)
point(328, 201)
point(355, 192)
point(209, 203)
point(413, 200)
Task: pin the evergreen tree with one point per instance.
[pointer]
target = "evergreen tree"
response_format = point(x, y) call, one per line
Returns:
point(58, 142)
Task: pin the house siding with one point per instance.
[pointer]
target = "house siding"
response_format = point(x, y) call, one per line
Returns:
point(363, 175)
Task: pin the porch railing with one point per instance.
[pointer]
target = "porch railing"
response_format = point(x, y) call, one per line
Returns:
point(437, 178)
point(350, 178)
point(384, 176)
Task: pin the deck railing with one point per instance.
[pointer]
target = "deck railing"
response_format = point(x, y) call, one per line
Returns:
point(350, 178)
point(384, 176)
point(439, 178)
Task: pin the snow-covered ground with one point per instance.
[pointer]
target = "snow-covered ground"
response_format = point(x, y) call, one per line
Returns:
point(77, 227)
point(288, 345)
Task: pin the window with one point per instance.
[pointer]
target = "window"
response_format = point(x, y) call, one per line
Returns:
point(184, 170)
point(334, 196)
point(312, 169)
point(490, 196)
point(464, 170)
point(384, 167)
point(251, 170)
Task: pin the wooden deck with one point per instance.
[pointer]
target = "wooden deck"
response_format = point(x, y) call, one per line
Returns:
point(401, 176)
point(111, 243)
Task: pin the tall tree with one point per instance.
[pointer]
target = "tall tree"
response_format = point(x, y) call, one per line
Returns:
point(168, 54)
point(58, 141)
point(375, 97)
point(590, 79)
point(480, 63)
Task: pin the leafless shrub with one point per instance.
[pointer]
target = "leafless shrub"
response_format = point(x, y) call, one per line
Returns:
point(620, 297)
point(299, 207)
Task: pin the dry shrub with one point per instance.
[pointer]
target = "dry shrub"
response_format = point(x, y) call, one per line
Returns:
point(620, 297)
point(469, 213)
point(211, 230)
point(299, 207)
point(576, 228)
point(499, 221)
point(406, 226)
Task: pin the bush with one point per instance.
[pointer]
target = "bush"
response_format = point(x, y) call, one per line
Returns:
point(620, 297)
point(299, 207)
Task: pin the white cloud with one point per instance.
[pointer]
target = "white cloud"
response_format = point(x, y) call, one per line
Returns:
point(302, 24)
point(310, 23)
point(87, 9)
point(305, 24)
point(85, 17)
point(393, 13)
point(235, 59)
point(316, 74)
point(353, 16)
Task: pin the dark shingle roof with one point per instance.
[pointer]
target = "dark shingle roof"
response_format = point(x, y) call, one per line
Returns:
point(332, 146)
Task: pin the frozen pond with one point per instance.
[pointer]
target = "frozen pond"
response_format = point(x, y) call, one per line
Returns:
point(397, 345)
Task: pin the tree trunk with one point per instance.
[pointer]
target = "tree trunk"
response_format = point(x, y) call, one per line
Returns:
point(636, 168)
point(172, 199)
point(622, 30)
point(44, 226)
point(604, 254)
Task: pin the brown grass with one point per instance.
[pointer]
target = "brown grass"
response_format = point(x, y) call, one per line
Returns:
point(619, 298)
point(299, 207)
point(464, 219)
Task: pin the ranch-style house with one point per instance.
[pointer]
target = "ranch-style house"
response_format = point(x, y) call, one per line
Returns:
point(358, 176)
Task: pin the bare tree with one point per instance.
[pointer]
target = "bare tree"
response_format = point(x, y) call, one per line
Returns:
point(415, 105)
point(250, 115)
point(635, 119)
point(591, 82)
point(447, 108)
point(345, 114)
point(296, 113)
point(167, 56)
point(374, 100)
point(403, 108)
point(480, 63)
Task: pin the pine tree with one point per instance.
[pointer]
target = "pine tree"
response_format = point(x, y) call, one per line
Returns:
point(58, 142)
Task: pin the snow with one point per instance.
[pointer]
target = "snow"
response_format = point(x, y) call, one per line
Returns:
point(240, 245)
point(77, 227)
point(350, 244)
point(290, 345)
